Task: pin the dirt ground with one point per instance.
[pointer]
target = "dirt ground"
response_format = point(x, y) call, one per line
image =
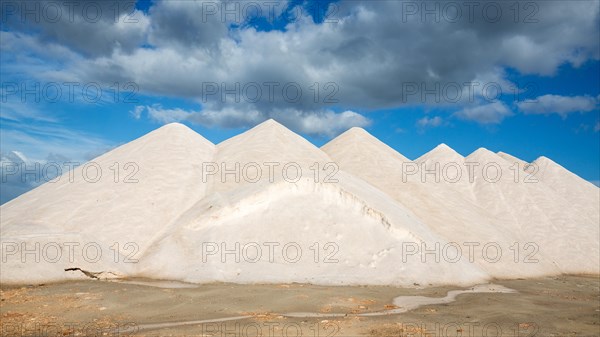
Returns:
point(550, 306)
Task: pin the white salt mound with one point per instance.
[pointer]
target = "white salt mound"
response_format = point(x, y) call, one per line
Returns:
point(267, 206)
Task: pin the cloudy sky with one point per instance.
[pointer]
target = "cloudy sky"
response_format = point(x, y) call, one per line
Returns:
point(81, 77)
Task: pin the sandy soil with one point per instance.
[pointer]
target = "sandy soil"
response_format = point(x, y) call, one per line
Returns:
point(552, 306)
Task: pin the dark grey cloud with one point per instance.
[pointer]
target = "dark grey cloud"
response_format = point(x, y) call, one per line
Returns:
point(186, 24)
point(90, 27)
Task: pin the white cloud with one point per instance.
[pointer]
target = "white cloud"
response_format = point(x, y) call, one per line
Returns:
point(427, 122)
point(16, 110)
point(137, 111)
point(172, 51)
point(159, 114)
point(316, 123)
point(561, 105)
point(321, 123)
point(492, 113)
point(38, 143)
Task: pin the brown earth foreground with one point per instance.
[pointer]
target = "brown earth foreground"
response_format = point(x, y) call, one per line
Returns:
point(550, 306)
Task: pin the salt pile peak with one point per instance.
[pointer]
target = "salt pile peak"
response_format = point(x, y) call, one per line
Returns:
point(361, 141)
point(440, 154)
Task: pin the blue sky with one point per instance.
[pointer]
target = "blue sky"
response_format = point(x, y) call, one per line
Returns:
point(370, 61)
